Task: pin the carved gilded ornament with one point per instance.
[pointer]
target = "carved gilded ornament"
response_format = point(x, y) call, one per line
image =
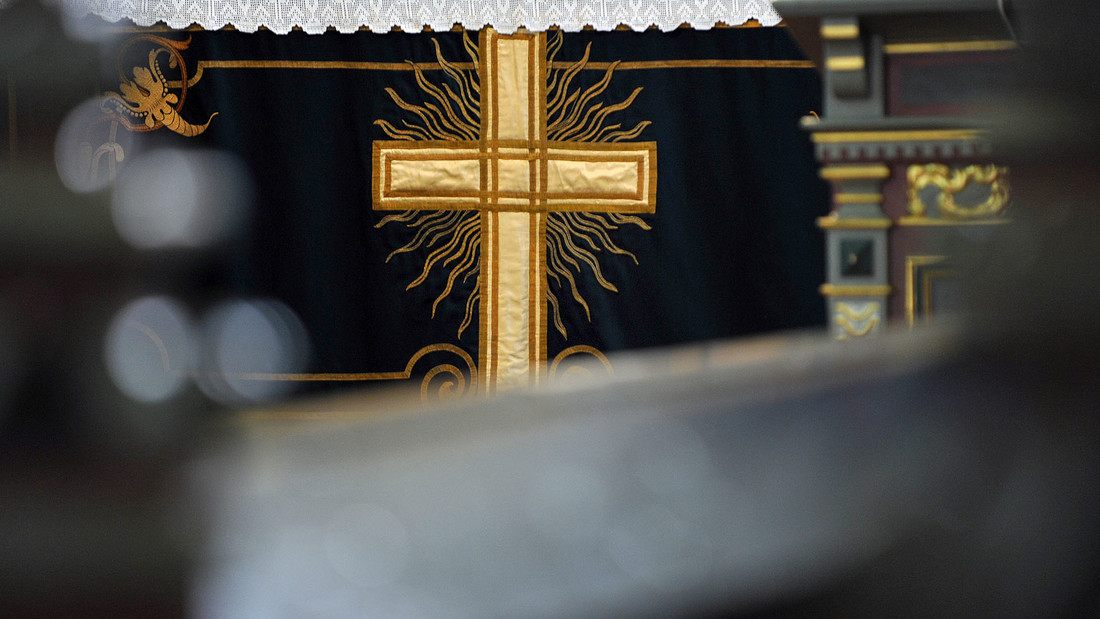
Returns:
point(951, 182)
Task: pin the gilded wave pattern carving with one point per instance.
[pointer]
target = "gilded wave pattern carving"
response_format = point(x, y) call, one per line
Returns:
point(316, 16)
point(857, 319)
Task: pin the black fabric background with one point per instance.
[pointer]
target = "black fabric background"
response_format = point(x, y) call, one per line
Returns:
point(733, 248)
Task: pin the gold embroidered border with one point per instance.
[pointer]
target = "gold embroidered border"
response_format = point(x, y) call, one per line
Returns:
point(640, 65)
point(407, 373)
point(537, 260)
point(362, 376)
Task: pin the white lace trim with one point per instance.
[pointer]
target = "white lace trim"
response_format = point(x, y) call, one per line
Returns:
point(315, 16)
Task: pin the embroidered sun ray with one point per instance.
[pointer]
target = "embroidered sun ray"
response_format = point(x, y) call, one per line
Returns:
point(454, 246)
point(574, 239)
point(471, 301)
point(595, 225)
point(447, 115)
point(433, 224)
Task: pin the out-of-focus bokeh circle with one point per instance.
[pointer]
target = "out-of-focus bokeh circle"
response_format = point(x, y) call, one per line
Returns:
point(251, 351)
point(368, 545)
point(180, 199)
point(150, 349)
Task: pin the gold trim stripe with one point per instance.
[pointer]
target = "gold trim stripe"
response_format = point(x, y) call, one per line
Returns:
point(939, 47)
point(857, 198)
point(832, 222)
point(837, 290)
point(485, 309)
point(895, 136)
point(845, 63)
point(640, 65)
point(538, 240)
point(836, 32)
point(487, 46)
point(469, 66)
point(854, 172)
point(930, 221)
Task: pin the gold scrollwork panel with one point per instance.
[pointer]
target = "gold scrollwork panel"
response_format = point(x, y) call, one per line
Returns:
point(951, 182)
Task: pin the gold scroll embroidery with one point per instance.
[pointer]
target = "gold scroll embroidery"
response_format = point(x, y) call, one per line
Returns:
point(567, 359)
point(145, 101)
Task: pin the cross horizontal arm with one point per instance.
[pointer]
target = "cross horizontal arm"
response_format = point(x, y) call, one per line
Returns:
point(438, 175)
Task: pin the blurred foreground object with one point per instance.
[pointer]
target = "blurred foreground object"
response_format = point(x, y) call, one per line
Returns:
point(785, 476)
point(85, 488)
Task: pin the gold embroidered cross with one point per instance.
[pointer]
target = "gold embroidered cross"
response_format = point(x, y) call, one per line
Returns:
point(514, 176)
